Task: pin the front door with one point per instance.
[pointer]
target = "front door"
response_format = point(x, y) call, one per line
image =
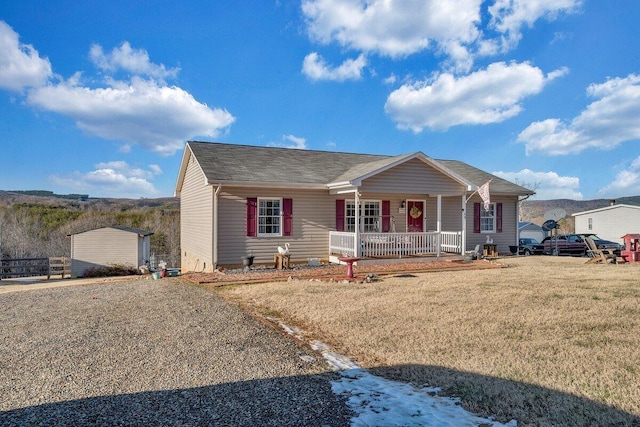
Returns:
point(415, 216)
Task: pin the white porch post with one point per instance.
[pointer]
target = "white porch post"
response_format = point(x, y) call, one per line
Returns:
point(356, 243)
point(439, 225)
point(464, 224)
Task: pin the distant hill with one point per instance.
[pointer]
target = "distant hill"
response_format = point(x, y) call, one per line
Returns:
point(83, 200)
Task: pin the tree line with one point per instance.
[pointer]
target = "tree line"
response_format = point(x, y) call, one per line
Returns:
point(33, 229)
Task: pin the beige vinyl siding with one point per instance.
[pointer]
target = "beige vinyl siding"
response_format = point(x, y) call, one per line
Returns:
point(509, 224)
point(103, 247)
point(196, 221)
point(412, 177)
point(313, 217)
point(451, 213)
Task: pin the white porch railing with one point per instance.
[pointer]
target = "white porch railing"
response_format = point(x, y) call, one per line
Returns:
point(376, 245)
point(342, 243)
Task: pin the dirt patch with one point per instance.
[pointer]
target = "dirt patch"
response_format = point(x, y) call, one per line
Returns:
point(335, 273)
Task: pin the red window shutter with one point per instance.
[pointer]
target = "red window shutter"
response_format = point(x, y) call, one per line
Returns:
point(476, 217)
point(499, 217)
point(386, 215)
point(252, 208)
point(340, 215)
point(287, 210)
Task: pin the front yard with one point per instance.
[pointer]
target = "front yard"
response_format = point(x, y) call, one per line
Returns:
point(546, 340)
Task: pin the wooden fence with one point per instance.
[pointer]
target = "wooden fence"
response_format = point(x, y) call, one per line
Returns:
point(24, 267)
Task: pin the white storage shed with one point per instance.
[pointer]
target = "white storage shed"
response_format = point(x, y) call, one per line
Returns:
point(108, 246)
point(531, 230)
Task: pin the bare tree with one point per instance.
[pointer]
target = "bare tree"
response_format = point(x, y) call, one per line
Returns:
point(530, 186)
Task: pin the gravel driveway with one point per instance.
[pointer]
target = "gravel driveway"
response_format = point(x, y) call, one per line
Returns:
point(153, 353)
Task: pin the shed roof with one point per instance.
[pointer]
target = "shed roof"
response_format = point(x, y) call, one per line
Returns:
point(244, 165)
point(529, 225)
point(137, 231)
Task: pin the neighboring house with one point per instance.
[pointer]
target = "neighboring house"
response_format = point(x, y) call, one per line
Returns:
point(238, 200)
point(610, 223)
point(531, 230)
point(109, 246)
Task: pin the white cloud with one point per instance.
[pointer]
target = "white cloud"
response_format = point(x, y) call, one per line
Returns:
point(626, 182)
point(486, 96)
point(393, 29)
point(132, 60)
point(607, 122)
point(290, 141)
point(20, 64)
point(112, 179)
point(398, 29)
point(549, 185)
point(391, 79)
point(508, 17)
point(316, 68)
point(141, 112)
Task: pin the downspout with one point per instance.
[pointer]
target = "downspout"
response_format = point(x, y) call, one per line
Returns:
point(215, 226)
point(356, 243)
point(517, 242)
point(439, 225)
point(464, 224)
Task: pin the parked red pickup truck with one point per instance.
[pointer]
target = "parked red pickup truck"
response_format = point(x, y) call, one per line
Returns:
point(573, 244)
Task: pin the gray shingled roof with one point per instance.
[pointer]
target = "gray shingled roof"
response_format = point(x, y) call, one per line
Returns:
point(479, 177)
point(245, 164)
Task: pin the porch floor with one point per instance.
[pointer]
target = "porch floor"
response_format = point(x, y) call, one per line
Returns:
point(391, 259)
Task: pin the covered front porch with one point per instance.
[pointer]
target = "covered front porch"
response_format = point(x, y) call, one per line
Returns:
point(388, 246)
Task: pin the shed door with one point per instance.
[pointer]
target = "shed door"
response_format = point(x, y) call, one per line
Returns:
point(415, 216)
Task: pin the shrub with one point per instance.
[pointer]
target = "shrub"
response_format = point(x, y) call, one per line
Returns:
point(111, 270)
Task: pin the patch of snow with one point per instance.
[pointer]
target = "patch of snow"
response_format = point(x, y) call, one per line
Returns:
point(378, 401)
point(335, 360)
point(382, 402)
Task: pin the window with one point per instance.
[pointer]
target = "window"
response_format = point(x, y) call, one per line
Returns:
point(269, 217)
point(488, 219)
point(350, 217)
point(369, 216)
point(590, 223)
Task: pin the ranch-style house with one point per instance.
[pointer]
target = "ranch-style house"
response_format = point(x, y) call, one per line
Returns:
point(240, 200)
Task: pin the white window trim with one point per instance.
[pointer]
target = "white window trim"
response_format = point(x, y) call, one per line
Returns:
point(361, 216)
point(493, 230)
point(258, 234)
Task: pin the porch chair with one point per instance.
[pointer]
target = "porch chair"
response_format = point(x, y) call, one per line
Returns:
point(598, 255)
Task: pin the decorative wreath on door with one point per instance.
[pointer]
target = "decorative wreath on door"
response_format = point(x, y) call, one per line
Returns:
point(415, 212)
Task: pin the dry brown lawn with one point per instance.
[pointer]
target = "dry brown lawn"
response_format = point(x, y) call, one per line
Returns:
point(545, 340)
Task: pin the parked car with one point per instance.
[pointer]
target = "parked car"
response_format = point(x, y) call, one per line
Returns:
point(529, 246)
point(573, 244)
point(604, 244)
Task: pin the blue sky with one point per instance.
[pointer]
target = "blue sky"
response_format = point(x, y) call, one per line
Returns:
point(100, 97)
